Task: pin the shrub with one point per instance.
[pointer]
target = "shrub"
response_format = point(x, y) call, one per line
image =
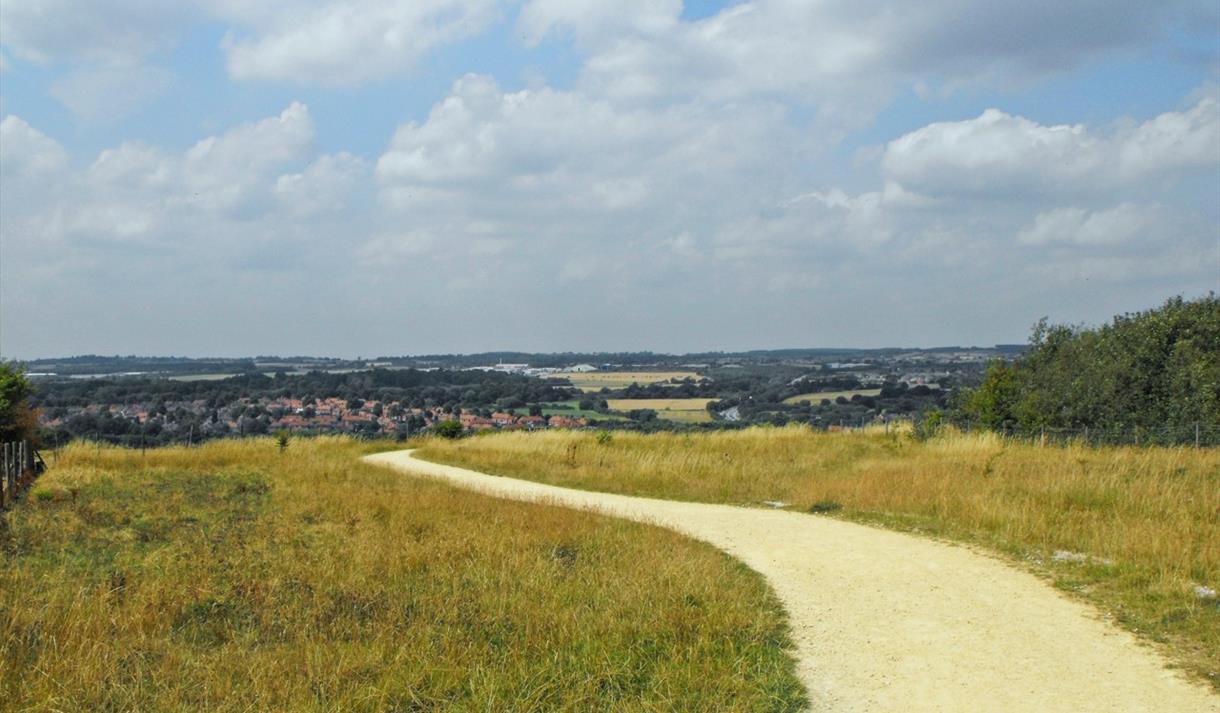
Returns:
point(448, 429)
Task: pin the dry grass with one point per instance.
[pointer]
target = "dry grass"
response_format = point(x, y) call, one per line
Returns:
point(1146, 520)
point(816, 397)
point(597, 380)
point(685, 410)
point(233, 577)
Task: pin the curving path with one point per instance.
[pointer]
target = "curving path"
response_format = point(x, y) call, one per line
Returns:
point(884, 621)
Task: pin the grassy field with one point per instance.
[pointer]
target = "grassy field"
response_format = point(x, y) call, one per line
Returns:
point(816, 398)
point(684, 410)
point(1132, 530)
point(598, 380)
point(233, 577)
point(571, 408)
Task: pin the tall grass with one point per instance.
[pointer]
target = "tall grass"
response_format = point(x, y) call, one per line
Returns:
point(1133, 530)
point(234, 577)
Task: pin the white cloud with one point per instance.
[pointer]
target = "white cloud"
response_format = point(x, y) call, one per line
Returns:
point(1078, 226)
point(27, 152)
point(595, 20)
point(322, 187)
point(245, 186)
point(844, 57)
point(115, 31)
point(344, 43)
point(997, 154)
point(108, 93)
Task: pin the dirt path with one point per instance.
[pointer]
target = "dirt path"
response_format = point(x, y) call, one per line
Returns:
point(884, 621)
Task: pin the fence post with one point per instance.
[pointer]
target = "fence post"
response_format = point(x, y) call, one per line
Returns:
point(6, 488)
point(1042, 437)
point(1196, 434)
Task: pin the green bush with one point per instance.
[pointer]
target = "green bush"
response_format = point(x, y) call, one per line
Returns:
point(448, 429)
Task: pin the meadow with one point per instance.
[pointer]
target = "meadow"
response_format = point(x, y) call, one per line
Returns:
point(1134, 531)
point(233, 576)
point(598, 380)
point(682, 410)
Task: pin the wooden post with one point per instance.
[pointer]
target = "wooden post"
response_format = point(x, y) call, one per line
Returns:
point(5, 485)
point(1196, 434)
point(10, 472)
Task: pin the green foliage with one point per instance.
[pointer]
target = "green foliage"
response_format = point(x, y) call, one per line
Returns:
point(17, 420)
point(448, 429)
point(927, 426)
point(281, 439)
point(1149, 370)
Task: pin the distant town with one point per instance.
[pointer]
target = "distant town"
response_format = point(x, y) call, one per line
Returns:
point(135, 400)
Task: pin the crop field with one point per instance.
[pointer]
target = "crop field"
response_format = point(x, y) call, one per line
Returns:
point(598, 380)
point(816, 397)
point(234, 577)
point(1133, 531)
point(683, 410)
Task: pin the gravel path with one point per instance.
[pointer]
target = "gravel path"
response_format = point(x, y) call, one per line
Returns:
point(884, 621)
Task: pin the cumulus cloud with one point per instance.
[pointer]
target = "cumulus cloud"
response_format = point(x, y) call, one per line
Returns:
point(1078, 226)
point(116, 31)
point(27, 152)
point(997, 153)
point(845, 57)
point(245, 186)
point(343, 43)
point(108, 93)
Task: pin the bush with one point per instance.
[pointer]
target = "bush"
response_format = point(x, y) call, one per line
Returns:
point(448, 429)
point(928, 426)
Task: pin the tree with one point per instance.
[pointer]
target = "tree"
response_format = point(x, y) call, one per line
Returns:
point(448, 429)
point(1158, 369)
point(17, 420)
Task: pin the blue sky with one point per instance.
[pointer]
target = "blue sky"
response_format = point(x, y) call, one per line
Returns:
point(316, 176)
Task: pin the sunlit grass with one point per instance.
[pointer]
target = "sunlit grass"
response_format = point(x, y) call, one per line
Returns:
point(234, 577)
point(1142, 525)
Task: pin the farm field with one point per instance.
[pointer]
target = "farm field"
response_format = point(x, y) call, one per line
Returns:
point(1131, 530)
point(816, 397)
point(572, 408)
point(598, 380)
point(682, 410)
point(231, 576)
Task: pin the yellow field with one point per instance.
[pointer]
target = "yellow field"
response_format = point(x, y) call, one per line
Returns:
point(1132, 530)
point(598, 380)
point(685, 410)
point(816, 398)
point(233, 577)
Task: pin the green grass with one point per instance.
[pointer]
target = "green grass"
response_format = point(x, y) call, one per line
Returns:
point(572, 408)
point(1145, 520)
point(233, 577)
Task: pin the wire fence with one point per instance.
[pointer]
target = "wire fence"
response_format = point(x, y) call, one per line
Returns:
point(1198, 435)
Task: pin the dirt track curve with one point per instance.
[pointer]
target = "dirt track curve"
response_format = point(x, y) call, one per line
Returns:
point(884, 621)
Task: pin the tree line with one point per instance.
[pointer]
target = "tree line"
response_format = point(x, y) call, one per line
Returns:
point(1157, 371)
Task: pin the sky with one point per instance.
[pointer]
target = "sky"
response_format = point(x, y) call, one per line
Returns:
point(390, 177)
